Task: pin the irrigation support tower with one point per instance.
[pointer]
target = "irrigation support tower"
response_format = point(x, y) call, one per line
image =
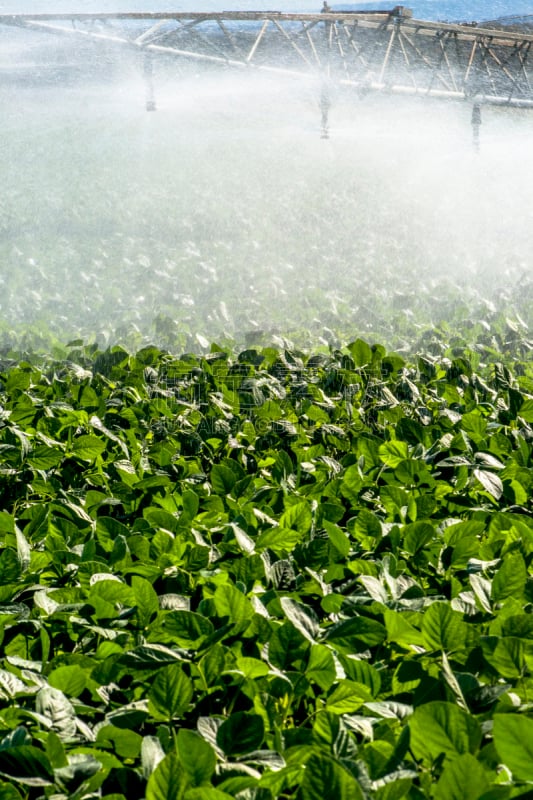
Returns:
point(373, 52)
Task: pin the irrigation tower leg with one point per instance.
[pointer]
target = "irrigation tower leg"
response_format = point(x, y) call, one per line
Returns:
point(476, 124)
point(325, 93)
point(325, 105)
point(149, 82)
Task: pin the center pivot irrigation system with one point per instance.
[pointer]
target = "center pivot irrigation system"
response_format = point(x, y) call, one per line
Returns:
point(385, 52)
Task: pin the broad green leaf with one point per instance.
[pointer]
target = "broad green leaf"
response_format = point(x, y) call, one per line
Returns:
point(223, 479)
point(245, 542)
point(171, 693)
point(168, 781)
point(241, 733)
point(252, 667)
point(44, 457)
point(7, 522)
point(352, 483)
point(27, 765)
point(280, 540)
point(378, 754)
point(475, 425)
point(302, 617)
point(15, 738)
point(324, 778)
point(9, 792)
point(517, 625)
point(491, 482)
point(439, 728)
point(416, 535)
point(513, 739)
point(17, 379)
point(482, 589)
point(510, 579)
point(347, 697)
point(366, 525)
point(356, 634)
point(114, 592)
point(393, 453)
point(53, 704)
point(108, 531)
point(230, 602)
point(212, 664)
point(297, 517)
point(287, 646)
point(191, 504)
point(188, 628)
point(526, 410)
point(463, 778)
point(327, 726)
point(196, 755)
point(10, 684)
point(396, 788)
point(71, 680)
point(159, 518)
point(338, 538)
point(401, 631)
point(443, 628)
point(55, 750)
point(80, 767)
point(362, 672)
point(270, 410)
point(361, 352)
point(88, 447)
point(321, 667)
point(376, 589)
point(10, 567)
point(125, 742)
point(283, 466)
point(508, 657)
point(206, 793)
point(282, 779)
point(146, 599)
point(149, 656)
point(152, 754)
point(23, 549)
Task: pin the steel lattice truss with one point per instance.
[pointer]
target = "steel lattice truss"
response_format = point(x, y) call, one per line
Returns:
point(386, 52)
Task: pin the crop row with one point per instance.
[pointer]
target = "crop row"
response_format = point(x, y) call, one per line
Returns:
point(267, 574)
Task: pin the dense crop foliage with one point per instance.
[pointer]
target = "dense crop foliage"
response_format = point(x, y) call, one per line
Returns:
point(268, 574)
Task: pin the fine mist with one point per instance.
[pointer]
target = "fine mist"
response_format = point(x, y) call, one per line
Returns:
point(225, 212)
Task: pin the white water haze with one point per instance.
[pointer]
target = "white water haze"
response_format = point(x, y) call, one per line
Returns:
point(224, 211)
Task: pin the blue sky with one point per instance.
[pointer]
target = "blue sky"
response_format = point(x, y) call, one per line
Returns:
point(423, 9)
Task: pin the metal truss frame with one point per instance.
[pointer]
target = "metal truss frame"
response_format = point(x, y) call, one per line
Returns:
point(387, 52)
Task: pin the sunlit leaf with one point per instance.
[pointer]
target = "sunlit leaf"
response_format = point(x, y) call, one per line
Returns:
point(462, 779)
point(171, 693)
point(443, 628)
point(513, 739)
point(321, 666)
point(325, 777)
point(347, 697)
point(88, 447)
point(168, 780)
point(197, 756)
point(443, 729)
point(303, 618)
point(491, 482)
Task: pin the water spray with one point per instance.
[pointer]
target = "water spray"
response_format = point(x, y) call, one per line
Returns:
point(476, 124)
point(148, 69)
